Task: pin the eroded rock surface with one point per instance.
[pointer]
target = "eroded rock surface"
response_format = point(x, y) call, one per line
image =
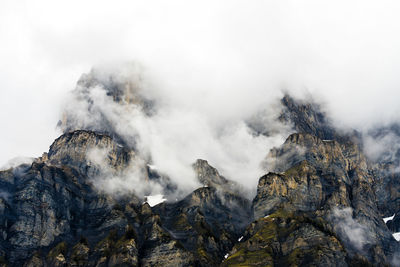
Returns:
point(320, 204)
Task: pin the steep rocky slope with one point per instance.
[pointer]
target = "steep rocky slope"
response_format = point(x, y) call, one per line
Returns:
point(53, 215)
point(330, 187)
point(318, 206)
point(321, 203)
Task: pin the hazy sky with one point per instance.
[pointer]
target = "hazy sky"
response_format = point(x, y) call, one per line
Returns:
point(343, 52)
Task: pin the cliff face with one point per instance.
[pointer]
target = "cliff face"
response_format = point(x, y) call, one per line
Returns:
point(287, 239)
point(73, 148)
point(52, 213)
point(48, 204)
point(321, 205)
point(328, 184)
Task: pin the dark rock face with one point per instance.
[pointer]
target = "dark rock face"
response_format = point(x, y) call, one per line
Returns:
point(321, 205)
point(209, 176)
point(52, 215)
point(387, 188)
point(209, 220)
point(48, 204)
point(386, 169)
point(307, 117)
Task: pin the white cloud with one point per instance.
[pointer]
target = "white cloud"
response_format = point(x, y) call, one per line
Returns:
point(349, 229)
point(382, 147)
point(155, 200)
point(219, 60)
point(176, 135)
point(132, 179)
point(12, 163)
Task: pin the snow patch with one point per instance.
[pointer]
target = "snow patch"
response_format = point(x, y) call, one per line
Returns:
point(154, 200)
point(388, 218)
point(226, 256)
point(240, 238)
point(151, 167)
point(266, 216)
point(397, 236)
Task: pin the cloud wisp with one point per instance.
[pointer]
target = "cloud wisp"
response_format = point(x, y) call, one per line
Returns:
point(168, 134)
point(216, 63)
point(349, 229)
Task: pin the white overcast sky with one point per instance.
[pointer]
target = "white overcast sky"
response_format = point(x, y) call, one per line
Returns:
point(345, 52)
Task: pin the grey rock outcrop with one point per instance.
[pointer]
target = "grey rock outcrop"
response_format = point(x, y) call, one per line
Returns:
point(321, 204)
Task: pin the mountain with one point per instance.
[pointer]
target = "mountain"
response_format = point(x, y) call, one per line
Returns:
point(322, 203)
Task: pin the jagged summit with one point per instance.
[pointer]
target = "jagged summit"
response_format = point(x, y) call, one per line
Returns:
point(308, 117)
point(72, 149)
point(121, 88)
point(208, 175)
point(321, 204)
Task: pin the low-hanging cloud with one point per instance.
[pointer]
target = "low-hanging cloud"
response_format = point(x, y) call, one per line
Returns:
point(169, 134)
point(215, 63)
point(383, 145)
point(350, 230)
point(12, 163)
point(132, 179)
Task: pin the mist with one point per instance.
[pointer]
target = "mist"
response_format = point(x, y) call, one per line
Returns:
point(209, 65)
point(350, 230)
point(168, 133)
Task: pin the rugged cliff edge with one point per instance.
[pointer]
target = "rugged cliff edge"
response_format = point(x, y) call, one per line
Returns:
point(53, 215)
point(322, 204)
point(319, 206)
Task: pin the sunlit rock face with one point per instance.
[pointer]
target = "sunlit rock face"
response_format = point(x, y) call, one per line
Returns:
point(327, 180)
point(323, 182)
point(287, 239)
point(74, 149)
point(321, 203)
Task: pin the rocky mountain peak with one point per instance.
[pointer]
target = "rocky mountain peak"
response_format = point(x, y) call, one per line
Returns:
point(208, 175)
point(321, 203)
point(103, 87)
point(307, 117)
point(80, 148)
